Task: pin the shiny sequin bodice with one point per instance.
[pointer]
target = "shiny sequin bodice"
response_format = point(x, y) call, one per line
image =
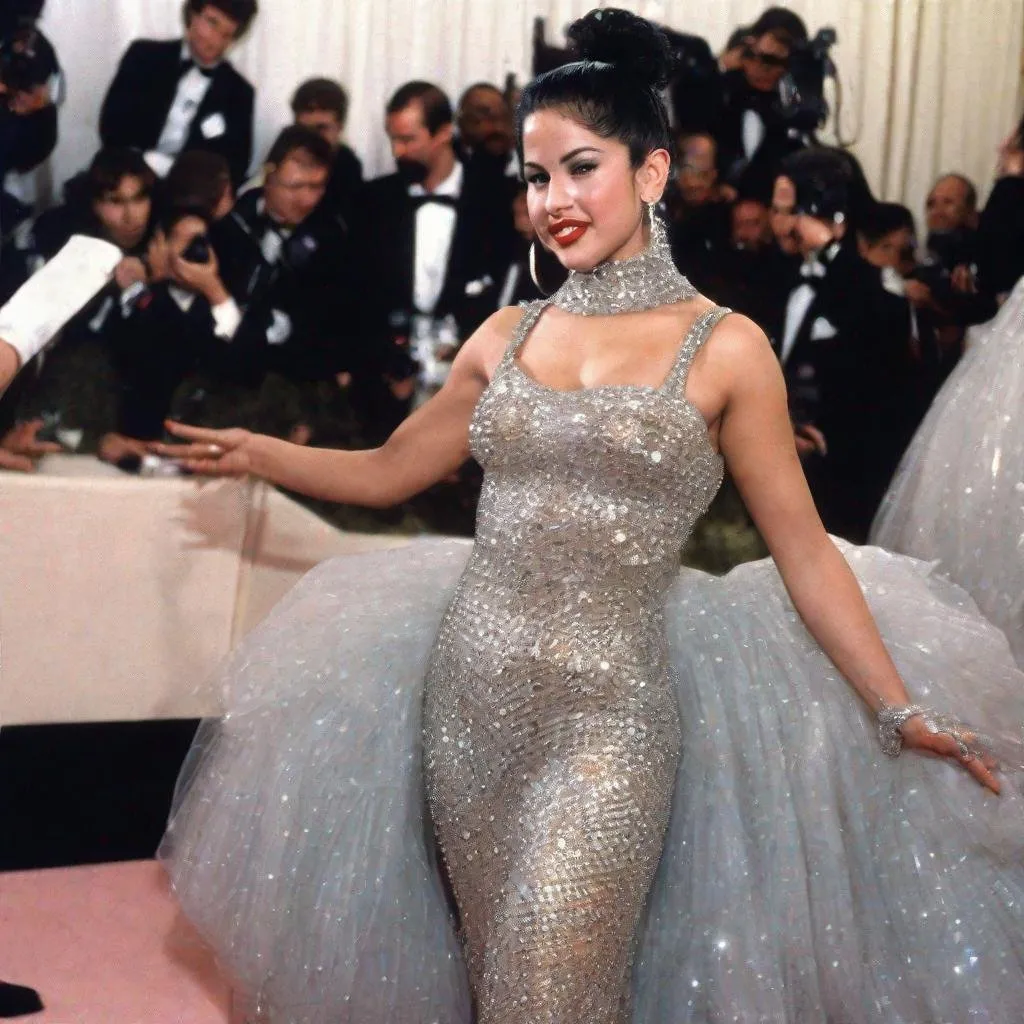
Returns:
point(598, 485)
point(551, 730)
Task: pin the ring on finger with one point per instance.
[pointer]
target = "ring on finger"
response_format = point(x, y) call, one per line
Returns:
point(214, 449)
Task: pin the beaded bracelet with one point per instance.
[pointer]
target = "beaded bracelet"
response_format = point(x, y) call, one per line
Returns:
point(890, 724)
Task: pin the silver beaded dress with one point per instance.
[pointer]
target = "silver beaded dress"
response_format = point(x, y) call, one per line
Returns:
point(549, 778)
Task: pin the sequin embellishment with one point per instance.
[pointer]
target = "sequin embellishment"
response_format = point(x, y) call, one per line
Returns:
point(551, 729)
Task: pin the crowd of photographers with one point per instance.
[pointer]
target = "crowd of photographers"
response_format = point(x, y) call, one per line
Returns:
point(312, 304)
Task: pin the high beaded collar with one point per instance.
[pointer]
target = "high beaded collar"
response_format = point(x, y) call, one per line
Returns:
point(644, 281)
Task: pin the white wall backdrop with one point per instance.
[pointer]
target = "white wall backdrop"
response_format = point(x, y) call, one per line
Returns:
point(928, 85)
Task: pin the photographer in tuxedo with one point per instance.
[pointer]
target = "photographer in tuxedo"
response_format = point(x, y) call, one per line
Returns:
point(944, 285)
point(286, 259)
point(203, 179)
point(183, 93)
point(73, 387)
point(183, 322)
point(432, 242)
point(844, 344)
point(753, 135)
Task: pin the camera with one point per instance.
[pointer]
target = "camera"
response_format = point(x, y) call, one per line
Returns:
point(802, 90)
point(197, 251)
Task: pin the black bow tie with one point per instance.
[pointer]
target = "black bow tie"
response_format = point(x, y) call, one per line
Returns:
point(449, 201)
point(187, 64)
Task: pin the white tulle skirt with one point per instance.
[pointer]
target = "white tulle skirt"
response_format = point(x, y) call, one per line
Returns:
point(806, 877)
point(958, 495)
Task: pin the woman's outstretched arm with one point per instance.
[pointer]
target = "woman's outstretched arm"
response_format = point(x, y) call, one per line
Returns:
point(427, 447)
point(756, 439)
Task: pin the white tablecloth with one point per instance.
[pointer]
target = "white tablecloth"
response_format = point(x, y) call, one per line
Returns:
point(119, 596)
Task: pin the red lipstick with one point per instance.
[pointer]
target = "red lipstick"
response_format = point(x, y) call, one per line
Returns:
point(571, 231)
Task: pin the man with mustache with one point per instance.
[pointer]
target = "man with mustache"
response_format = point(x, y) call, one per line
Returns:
point(432, 241)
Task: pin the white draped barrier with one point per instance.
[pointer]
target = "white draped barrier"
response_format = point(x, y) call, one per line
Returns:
point(119, 596)
point(929, 86)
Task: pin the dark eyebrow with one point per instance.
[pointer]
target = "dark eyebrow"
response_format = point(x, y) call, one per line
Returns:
point(568, 156)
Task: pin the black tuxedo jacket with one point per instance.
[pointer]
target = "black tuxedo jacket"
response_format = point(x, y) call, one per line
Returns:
point(384, 247)
point(851, 373)
point(155, 348)
point(753, 176)
point(343, 185)
point(296, 311)
point(142, 93)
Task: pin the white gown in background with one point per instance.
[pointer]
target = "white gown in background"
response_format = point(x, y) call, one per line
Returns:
point(958, 495)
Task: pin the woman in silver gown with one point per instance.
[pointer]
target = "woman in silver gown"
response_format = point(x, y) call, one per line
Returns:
point(653, 796)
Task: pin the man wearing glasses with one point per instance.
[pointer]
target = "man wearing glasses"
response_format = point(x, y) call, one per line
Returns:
point(754, 137)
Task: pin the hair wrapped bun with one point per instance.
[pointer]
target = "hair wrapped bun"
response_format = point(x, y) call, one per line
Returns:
point(630, 43)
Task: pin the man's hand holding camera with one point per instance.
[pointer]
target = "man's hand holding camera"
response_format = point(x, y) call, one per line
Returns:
point(198, 275)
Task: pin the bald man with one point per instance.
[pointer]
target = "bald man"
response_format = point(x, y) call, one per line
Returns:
point(952, 204)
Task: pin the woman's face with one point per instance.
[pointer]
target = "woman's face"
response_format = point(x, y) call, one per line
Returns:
point(585, 200)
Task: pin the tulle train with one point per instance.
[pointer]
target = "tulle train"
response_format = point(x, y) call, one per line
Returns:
point(806, 877)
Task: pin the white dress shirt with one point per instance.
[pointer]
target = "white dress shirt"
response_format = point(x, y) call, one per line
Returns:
point(226, 315)
point(435, 227)
point(800, 299)
point(753, 132)
point(192, 89)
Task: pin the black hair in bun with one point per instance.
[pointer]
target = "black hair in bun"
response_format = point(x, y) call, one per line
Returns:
point(613, 90)
point(633, 45)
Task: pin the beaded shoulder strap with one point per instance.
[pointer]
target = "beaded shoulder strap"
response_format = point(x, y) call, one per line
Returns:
point(531, 314)
point(698, 333)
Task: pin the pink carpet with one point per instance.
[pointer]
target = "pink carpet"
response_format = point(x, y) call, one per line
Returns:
point(106, 945)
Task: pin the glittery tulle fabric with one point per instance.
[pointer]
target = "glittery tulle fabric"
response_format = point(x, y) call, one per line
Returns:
point(806, 877)
point(958, 495)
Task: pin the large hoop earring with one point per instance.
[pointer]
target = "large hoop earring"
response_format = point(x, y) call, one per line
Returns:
point(533, 268)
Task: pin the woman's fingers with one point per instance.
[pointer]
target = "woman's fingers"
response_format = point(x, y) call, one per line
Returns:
point(978, 766)
point(984, 775)
point(205, 467)
point(194, 450)
point(193, 433)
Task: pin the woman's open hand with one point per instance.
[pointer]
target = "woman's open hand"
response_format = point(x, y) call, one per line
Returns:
point(209, 452)
point(959, 744)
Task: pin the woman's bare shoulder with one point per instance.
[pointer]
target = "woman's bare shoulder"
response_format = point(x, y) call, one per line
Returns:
point(739, 355)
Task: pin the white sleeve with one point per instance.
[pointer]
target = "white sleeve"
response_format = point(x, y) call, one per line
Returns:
point(226, 318)
point(51, 297)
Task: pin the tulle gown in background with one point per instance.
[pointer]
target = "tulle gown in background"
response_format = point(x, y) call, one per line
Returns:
point(958, 495)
